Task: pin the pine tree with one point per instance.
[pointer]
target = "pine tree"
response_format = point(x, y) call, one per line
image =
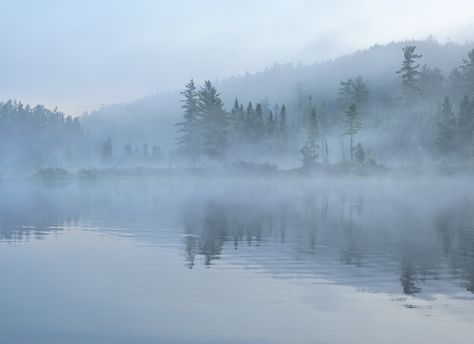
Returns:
point(359, 153)
point(311, 148)
point(107, 150)
point(467, 69)
point(346, 92)
point(236, 119)
point(446, 128)
point(283, 128)
point(352, 126)
point(259, 123)
point(431, 81)
point(215, 122)
point(354, 91)
point(409, 72)
point(271, 125)
point(283, 124)
point(190, 128)
point(361, 93)
point(249, 122)
point(466, 123)
point(456, 84)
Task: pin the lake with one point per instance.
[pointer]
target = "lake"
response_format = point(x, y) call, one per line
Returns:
point(194, 260)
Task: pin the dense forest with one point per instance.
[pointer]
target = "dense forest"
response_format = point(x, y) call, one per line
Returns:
point(36, 136)
point(420, 114)
point(431, 117)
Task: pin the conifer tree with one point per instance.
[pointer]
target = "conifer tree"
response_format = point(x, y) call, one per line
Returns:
point(446, 128)
point(283, 129)
point(361, 93)
point(456, 84)
point(249, 122)
point(190, 128)
point(283, 123)
point(107, 150)
point(431, 81)
point(409, 73)
point(466, 123)
point(271, 125)
point(346, 92)
point(359, 153)
point(311, 148)
point(467, 69)
point(352, 125)
point(215, 122)
point(236, 121)
point(259, 123)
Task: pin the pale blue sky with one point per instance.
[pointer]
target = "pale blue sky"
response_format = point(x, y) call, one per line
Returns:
point(80, 54)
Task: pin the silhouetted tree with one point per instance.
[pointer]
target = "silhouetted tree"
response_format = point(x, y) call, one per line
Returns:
point(352, 125)
point(467, 69)
point(215, 122)
point(409, 73)
point(311, 148)
point(190, 128)
point(107, 150)
point(446, 138)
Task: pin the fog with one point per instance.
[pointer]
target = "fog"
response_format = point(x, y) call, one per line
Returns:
point(82, 54)
point(237, 172)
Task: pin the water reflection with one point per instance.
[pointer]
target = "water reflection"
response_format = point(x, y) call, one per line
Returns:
point(379, 238)
point(395, 239)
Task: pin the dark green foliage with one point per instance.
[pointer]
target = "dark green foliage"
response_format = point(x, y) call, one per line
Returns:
point(190, 128)
point(215, 122)
point(466, 125)
point(467, 69)
point(36, 136)
point(352, 125)
point(259, 123)
point(354, 91)
point(271, 128)
point(283, 129)
point(431, 81)
point(346, 92)
point(456, 84)
point(361, 93)
point(409, 73)
point(446, 138)
point(311, 148)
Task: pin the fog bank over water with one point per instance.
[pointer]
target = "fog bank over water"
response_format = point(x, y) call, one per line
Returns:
point(331, 250)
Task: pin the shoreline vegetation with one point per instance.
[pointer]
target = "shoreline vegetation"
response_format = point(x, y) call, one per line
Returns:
point(243, 169)
point(419, 123)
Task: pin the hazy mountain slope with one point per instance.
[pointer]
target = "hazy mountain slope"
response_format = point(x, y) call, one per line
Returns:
point(152, 118)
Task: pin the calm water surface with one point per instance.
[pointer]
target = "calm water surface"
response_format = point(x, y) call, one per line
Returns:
point(199, 261)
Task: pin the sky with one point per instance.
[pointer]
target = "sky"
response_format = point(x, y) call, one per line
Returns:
point(79, 55)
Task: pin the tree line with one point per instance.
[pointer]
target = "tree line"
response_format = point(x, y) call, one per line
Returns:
point(208, 130)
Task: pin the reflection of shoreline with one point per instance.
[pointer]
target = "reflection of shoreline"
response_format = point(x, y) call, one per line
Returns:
point(376, 238)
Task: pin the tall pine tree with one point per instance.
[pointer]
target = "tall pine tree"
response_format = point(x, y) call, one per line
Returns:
point(467, 69)
point(409, 73)
point(311, 148)
point(215, 123)
point(190, 128)
point(352, 125)
point(446, 138)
